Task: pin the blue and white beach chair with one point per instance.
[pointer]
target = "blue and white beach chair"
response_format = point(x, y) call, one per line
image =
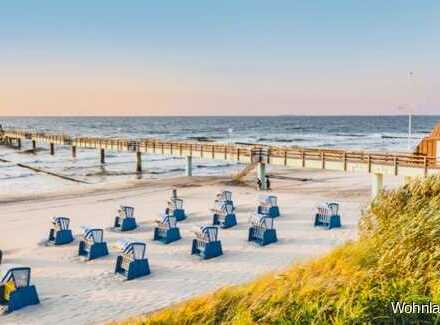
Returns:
point(175, 208)
point(132, 263)
point(224, 216)
point(261, 230)
point(125, 220)
point(166, 230)
point(267, 204)
point(224, 197)
point(15, 289)
point(206, 243)
point(327, 215)
point(60, 233)
point(92, 244)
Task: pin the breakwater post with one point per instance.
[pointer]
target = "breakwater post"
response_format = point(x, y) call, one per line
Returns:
point(102, 156)
point(138, 161)
point(188, 169)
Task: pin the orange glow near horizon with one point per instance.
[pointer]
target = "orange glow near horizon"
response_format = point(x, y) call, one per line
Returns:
point(66, 92)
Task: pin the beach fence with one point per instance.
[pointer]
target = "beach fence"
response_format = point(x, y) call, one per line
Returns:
point(425, 161)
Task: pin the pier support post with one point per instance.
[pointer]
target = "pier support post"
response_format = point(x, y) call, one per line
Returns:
point(18, 143)
point(52, 148)
point(138, 162)
point(261, 174)
point(188, 169)
point(377, 184)
point(34, 145)
point(102, 156)
point(73, 151)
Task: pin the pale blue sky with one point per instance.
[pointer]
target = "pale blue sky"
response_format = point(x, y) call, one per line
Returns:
point(218, 57)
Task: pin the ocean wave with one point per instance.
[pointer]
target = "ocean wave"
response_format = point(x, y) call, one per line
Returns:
point(165, 158)
point(16, 176)
point(327, 145)
point(203, 139)
point(167, 171)
point(215, 166)
point(109, 173)
point(277, 140)
point(296, 128)
point(354, 135)
point(398, 137)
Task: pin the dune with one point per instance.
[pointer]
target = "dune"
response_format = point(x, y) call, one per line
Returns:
point(389, 275)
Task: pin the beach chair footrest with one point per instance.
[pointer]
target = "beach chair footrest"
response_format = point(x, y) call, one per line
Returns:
point(166, 236)
point(262, 237)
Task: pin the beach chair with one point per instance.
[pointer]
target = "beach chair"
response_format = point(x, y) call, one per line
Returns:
point(224, 197)
point(166, 230)
point(15, 289)
point(125, 220)
point(327, 215)
point(175, 208)
point(224, 216)
point(92, 244)
point(60, 233)
point(206, 243)
point(267, 204)
point(131, 262)
point(261, 230)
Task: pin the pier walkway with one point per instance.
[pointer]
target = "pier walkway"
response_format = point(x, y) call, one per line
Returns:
point(375, 163)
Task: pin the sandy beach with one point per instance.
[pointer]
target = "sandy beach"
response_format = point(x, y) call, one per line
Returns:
point(73, 291)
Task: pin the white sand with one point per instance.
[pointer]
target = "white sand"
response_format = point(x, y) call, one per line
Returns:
point(76, 292)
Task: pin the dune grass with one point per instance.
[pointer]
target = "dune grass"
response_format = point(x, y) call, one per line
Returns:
point(396, 258)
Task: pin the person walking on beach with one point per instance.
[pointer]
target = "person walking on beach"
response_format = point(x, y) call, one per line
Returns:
point(259, 183)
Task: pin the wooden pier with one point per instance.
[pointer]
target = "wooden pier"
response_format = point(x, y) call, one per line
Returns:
point(377, 164)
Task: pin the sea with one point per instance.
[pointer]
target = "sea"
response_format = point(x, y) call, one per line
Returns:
point(372, 133)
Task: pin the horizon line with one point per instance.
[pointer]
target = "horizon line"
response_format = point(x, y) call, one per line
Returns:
point(209, 115)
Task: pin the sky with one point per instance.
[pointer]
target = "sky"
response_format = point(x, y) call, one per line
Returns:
point(227, 57)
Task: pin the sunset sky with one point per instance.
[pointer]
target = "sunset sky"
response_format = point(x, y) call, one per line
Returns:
point(218, 57)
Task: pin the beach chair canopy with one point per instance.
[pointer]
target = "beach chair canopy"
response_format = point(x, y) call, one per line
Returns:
point(261, 220)
point(175, 203)
point(134, 248)
point(94, 234)
point(328, 209)
point(228, 208)
point(126, 211)
point(169, 220)
point(19, 275)
point(224, 196)
point(265, 199)
point(209, 233)
point(334, 208)
point(61, 223)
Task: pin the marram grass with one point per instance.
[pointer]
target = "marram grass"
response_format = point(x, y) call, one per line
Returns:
point(396, 258)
